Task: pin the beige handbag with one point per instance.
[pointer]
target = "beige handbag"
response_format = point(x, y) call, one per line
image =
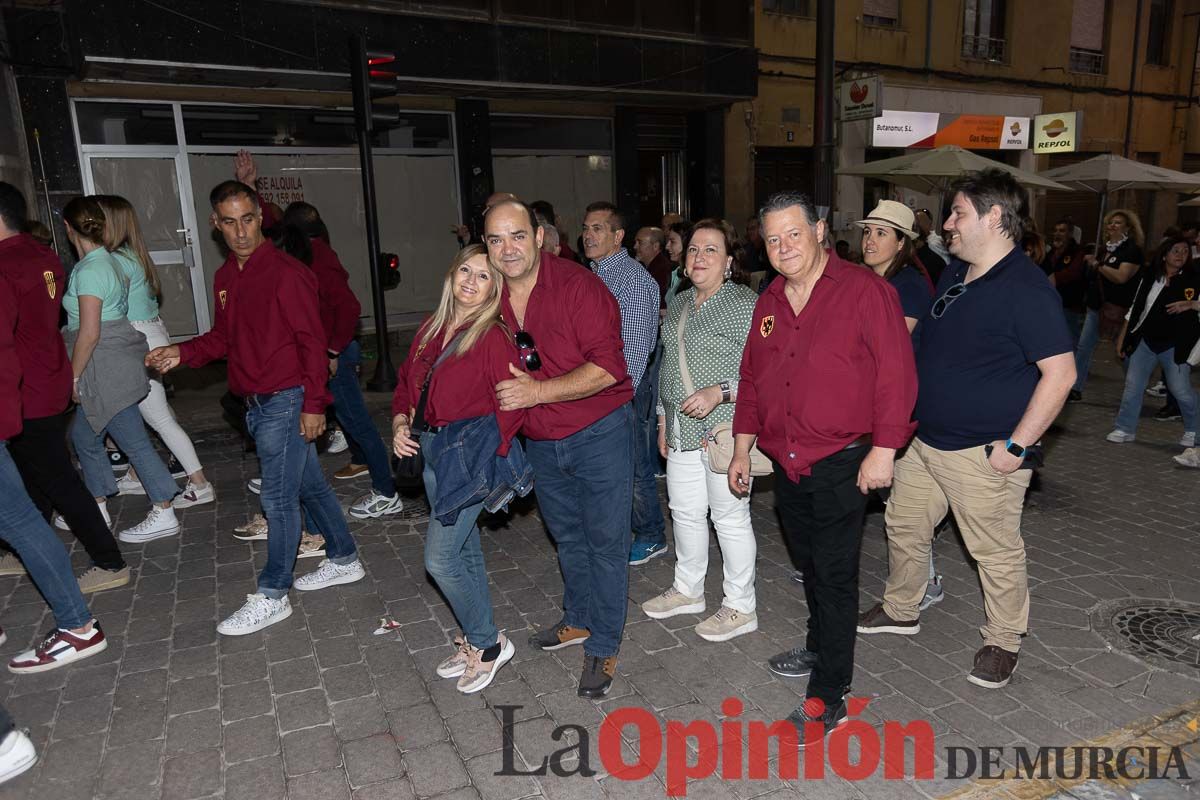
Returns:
point(720, 437)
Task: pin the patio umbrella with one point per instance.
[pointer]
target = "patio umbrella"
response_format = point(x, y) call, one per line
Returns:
point(931, 171)
point(1191, 201)
point(1111, 173)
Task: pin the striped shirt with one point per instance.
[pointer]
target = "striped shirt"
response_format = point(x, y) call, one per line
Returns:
point(638, 298)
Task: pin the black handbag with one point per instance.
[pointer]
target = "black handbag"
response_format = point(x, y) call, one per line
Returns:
point(410, 470)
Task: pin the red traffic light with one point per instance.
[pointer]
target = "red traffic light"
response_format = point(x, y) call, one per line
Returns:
point(391, 260)
point(389, 270)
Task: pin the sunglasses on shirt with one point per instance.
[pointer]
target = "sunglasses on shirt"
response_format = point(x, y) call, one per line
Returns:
point(529, 353)
point(942, 303)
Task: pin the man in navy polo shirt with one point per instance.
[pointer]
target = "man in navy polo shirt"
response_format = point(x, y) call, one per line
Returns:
point(994, 366)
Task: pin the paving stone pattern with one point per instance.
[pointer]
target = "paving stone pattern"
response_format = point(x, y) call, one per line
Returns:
point(318, 707)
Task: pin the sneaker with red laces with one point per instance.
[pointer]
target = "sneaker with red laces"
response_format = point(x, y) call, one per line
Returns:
point(876, 620)
point(58, 649)
point(994, 667)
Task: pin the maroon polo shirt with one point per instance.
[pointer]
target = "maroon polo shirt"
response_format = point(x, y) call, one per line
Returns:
point(462, 386)
point(660, 269)
point(10, 366)
point(574, 320)
point(813, 383)
point(34, 275)
point(339, 306)
point(269, 327)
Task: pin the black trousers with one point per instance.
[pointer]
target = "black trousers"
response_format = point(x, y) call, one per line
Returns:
point(822, 516)
point(41, 456)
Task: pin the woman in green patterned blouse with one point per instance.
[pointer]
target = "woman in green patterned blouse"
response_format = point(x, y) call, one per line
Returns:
point(703, 336)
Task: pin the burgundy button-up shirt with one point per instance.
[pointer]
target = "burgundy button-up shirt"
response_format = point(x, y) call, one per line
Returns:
point(268, 326)
point(573, 320)
point(339, 307)
point(462, 387)
point(10, 367)
point(814, 382)
point(35, 277)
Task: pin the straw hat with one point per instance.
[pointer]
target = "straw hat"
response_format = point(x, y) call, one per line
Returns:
point(894, 215)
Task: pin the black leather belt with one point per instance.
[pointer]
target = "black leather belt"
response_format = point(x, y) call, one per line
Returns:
point(252, 400)
point(862, 441)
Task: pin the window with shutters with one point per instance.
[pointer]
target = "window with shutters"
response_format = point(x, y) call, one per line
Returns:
point(1158, 33)
point(882, 13)
point(797, 8)
point(1088, 20)
point(985, 25)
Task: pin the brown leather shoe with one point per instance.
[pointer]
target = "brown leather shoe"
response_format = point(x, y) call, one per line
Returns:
point(876, 620)
point(351, 471)
point(994, 667)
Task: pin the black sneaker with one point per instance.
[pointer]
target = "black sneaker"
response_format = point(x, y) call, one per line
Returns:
point(118, 460)
point(876, 620)
point(794, 663)
point(177, 470)
point(813, 710)
point(1168, 413)
point(558, 637)
point(1074, 396)
point(994, 667)
point(597, 676)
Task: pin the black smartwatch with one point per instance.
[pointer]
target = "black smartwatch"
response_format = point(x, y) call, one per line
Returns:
point(1014, 449)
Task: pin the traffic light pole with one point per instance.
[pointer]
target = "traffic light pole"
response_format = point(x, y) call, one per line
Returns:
point(823, 144)
point(384, 379)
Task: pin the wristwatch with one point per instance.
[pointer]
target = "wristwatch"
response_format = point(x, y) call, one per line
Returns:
point(1014, 449)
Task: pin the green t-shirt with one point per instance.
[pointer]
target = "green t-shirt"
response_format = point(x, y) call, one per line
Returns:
point(97, 275)
point(142, 304)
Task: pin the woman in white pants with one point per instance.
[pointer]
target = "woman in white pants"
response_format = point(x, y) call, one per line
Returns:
point(123, 238)
point(703, 335)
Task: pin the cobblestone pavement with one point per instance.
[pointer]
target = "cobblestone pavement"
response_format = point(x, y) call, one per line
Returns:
point(318, 707)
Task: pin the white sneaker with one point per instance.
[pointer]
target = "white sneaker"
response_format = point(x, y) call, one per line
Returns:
point(328, 573)
point(16, 755)
point(129, 484)
point(375, 505)
point(62, 525)
point(337, 443)
point(259, 612)
point(672, 602)
point(158, 524)
point(1157, 390)
point(1189, 458)
point(726, 624)
point(193, 495)
point(11, 565)
point(255, 485)
point(1119, 436)
point(1188, 439)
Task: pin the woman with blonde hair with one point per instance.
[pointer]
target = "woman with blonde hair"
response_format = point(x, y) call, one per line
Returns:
point(107, 361)
point(123, 239)
point(459, 355)
point(1109, 286)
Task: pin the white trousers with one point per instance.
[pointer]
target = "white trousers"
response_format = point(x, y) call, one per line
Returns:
point(156, 411)
point(694, 490)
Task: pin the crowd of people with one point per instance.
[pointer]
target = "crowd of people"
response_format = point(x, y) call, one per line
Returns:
point(926, 374)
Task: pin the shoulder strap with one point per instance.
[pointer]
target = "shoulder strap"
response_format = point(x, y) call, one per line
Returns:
point(684, 372)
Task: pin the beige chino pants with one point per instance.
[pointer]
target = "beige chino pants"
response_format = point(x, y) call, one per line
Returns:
point(987, 507)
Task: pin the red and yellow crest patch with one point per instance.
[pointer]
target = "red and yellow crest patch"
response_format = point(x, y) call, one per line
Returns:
point(767, 325)
point(51, 284)
point(1189, 293)
point(222, 296)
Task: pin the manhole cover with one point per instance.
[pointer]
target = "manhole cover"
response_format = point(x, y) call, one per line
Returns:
point(1164, 632)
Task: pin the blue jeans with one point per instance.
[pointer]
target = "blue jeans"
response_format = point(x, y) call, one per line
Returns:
point(129, 432)
point(454, 557)
point(585, 493)
point(366, 447)
point(1089, 336)
point(292, 477)
point(25, 530)
point(647, 522)
point(1074, 323)
point(1139, 366)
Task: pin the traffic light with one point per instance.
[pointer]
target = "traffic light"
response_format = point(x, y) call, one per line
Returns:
point(373, 75)
point(389, 270)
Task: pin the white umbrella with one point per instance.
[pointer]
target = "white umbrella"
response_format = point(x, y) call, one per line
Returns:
point(932, 171)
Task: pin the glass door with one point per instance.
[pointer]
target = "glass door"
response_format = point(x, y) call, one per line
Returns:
point(151, 182)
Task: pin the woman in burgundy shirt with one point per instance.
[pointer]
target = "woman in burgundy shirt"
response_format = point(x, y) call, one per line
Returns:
point(459, 355)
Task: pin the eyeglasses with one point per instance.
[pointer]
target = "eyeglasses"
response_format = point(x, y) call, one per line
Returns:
point(529, 353)
point(942, 303)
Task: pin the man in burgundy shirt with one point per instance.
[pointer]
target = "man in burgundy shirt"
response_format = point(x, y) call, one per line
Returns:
point(579, 431)
point(34, 273)
point(268, 326)
point(827, 389)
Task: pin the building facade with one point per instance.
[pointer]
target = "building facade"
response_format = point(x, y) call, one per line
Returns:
point(569, 101)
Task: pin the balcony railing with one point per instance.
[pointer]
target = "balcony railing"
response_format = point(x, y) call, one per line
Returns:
point(985, 48)
point(1089, 62)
